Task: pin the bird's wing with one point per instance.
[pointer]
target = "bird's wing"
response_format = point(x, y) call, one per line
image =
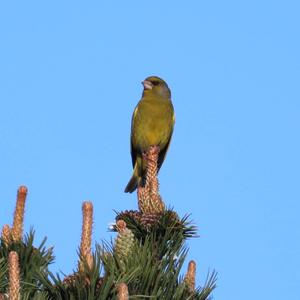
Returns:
point(132, 149)
point(163, 152)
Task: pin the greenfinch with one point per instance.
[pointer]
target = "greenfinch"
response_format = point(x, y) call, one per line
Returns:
point(152, 125)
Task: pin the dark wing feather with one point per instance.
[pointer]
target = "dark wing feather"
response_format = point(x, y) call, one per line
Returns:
point(133, 153)
point(162, 153)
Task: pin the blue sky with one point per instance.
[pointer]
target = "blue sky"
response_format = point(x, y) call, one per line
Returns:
point(70, 76)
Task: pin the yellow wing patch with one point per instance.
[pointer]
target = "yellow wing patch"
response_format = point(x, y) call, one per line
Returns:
point(135, 112)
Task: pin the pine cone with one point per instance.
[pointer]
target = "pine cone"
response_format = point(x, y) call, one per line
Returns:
point(146, 220)
point(124, 242)
point(149, 220)
point(130, 214)
point(70, 280)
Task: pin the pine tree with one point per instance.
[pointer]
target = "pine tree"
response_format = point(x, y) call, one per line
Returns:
point(144, 262)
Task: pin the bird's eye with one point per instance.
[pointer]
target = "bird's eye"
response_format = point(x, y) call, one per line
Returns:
point(155, 82)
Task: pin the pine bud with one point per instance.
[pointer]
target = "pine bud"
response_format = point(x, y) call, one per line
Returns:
point(17, 230)
point(123, 291)
point(86, 235)
point(149, 200)
point(14, 276)
point(191, 275)
point(6, 234)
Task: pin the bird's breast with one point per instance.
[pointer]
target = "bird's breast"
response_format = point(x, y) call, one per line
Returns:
point(152, 124)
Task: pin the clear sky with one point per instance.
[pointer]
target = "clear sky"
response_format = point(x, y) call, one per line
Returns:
point(70, 76)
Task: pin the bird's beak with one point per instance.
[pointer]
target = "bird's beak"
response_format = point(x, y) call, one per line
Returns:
point(147, 85)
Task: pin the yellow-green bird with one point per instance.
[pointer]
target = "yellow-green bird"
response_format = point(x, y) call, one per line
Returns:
point(152, 125)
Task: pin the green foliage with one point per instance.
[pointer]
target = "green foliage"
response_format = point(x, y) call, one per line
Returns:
point(151, 266)
point(3, 274)
point(80, 285)
point(31, 260)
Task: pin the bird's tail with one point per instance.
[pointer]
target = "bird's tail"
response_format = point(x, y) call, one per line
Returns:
point(136, 178)
point(132, 184)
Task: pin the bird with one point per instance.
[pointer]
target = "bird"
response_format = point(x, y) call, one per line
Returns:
point(152, 124)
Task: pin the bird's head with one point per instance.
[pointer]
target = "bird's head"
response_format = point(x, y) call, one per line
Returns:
point(156, 85)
